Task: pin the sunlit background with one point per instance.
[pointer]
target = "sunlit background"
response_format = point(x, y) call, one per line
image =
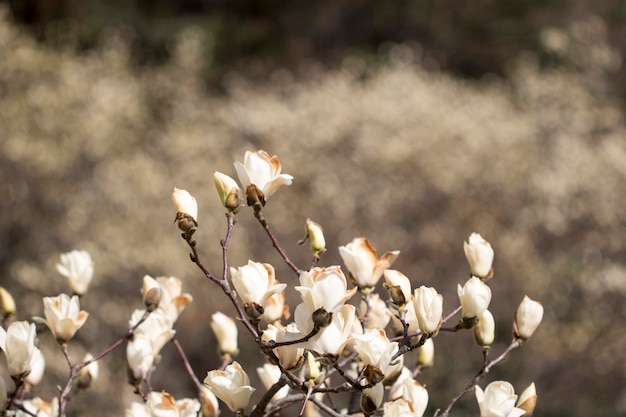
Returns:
point(411, 123)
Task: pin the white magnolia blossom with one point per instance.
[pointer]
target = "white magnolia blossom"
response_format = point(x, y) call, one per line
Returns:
point(157, 328)
point(64, 316)
point(397, 280)
point(375, 349)
point(527, 318)
point(372, 397)
point(498, 400)
point(232, 386)
point(399, 408)
point(331, 340)
point(162, 404)
point(77, 267)
point(428, 307)
point(185, 203)
point(378, 316)
point(485, 330)
point(140, 356)
point(475, 297)
point(270, 374)
point(255, 282)
point(209, 403)
point(275, 307)
point(173, 300)
point(479, 254)
point(228, 190)
point(137, 409)
point(18, 344)
point(225, 330)
point(416, 394)
point(426, 353)
point(38, 367)
point(39, 408)
point(361, 259)
point(290, 357)
point(397, 387)
point(263, 171)
point(88, 374)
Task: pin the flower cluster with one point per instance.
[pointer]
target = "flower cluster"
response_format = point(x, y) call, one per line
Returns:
point(348, 333)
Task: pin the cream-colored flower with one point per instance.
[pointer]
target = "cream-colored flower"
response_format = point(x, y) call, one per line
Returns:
point(485, 330)
point(162, 404)
point(479, 254)
point(527, 318)
point(18, 344)
point(7, 303)
point(398, 408)
point(88, 374)
point(225, 331)
point(263, 171)
point(362, 261)
point(140, 356)
point(255, 283)
point(527, 400)
point(375, 350)
point(137, 409)
point(232, 386)
point(228, 191)
point(209, 403)
point(270, 374)
point(428, 307)
point(77, 267)
point(290, 357)
point(399, 287)
point(371, 398)
point(397, 387)
point(379, 314)
point(157, 328)
point(275, 307)
point(38, 367)
point(173, 299)
point(40, 408)
point(426, 354)
point(498, 400)
point(417, 395)
point(63, 316)
point(475, 297)
point(331, 340)
point(185, 203)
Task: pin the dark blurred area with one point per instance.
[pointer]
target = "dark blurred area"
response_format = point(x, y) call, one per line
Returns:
point(413, 123)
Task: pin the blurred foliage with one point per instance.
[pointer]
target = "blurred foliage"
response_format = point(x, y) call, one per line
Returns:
point(91, 147)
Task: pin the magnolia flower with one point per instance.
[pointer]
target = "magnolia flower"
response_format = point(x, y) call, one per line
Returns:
point(40, 408)
point(275, 307)
point(416, 395)
point(527, 400)
point(63, 316)
point(399, 408)
point(262, 171)
point(89, 373)
point(375, 350)
point(527, 318)
point(225, 331)
point(38, 367)
point(77, 267)
point(362, 261)
point(379, 315)
point(18, 344)
point(186, 211)
point(321, 288)
point(498, 400)
point(399, 287)
point(331, 340)
point(269, 375)
point(428, 307)
point(137, 409)
point(208, 401)
point(140, 356)
point(232, 386)
point(255, 283)
point(484, 331)
point(289, 356)
point(228, 191)
point(426, 353)
point(173, 300)
point(157, 328)
point(475, 296)
point(398, 385)
point(162, 404)
point(7, 303)
point(479, 255)
point(371, 398)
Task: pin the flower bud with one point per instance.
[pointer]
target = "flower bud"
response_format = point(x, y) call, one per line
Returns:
point(371, 398)
point(208, 401)
point(38, 367)
point(484, 331)
point(7, 303)
point(186, 211)
point(498, 399)
point(232, 386)
point(225, 331)
point(428, 305)
point(426, 354)
point(315, 234)
point(527, 318)
point(479, 255)
point(88, 374)
point(528, 400)
point(151, 291)
point(474, 296)
point(399, 288)
point(228, 191)
point(77, 267)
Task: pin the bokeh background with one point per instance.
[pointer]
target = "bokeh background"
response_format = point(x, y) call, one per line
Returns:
point(413, 123)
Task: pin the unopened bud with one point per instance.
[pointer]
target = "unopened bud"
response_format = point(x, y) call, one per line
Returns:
point(186, 211)
point(321, 318)
point(426, 354)
point(527, 318)
point(255, 197)
point(484, 331)
point(151, 291)
point(254, 311)
point(312, 368)
point(228, 191)
point(88, 374)
point(7, 303)
point(372, 398)
point(397, 296)
point(315, 234)
point(373, 374)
